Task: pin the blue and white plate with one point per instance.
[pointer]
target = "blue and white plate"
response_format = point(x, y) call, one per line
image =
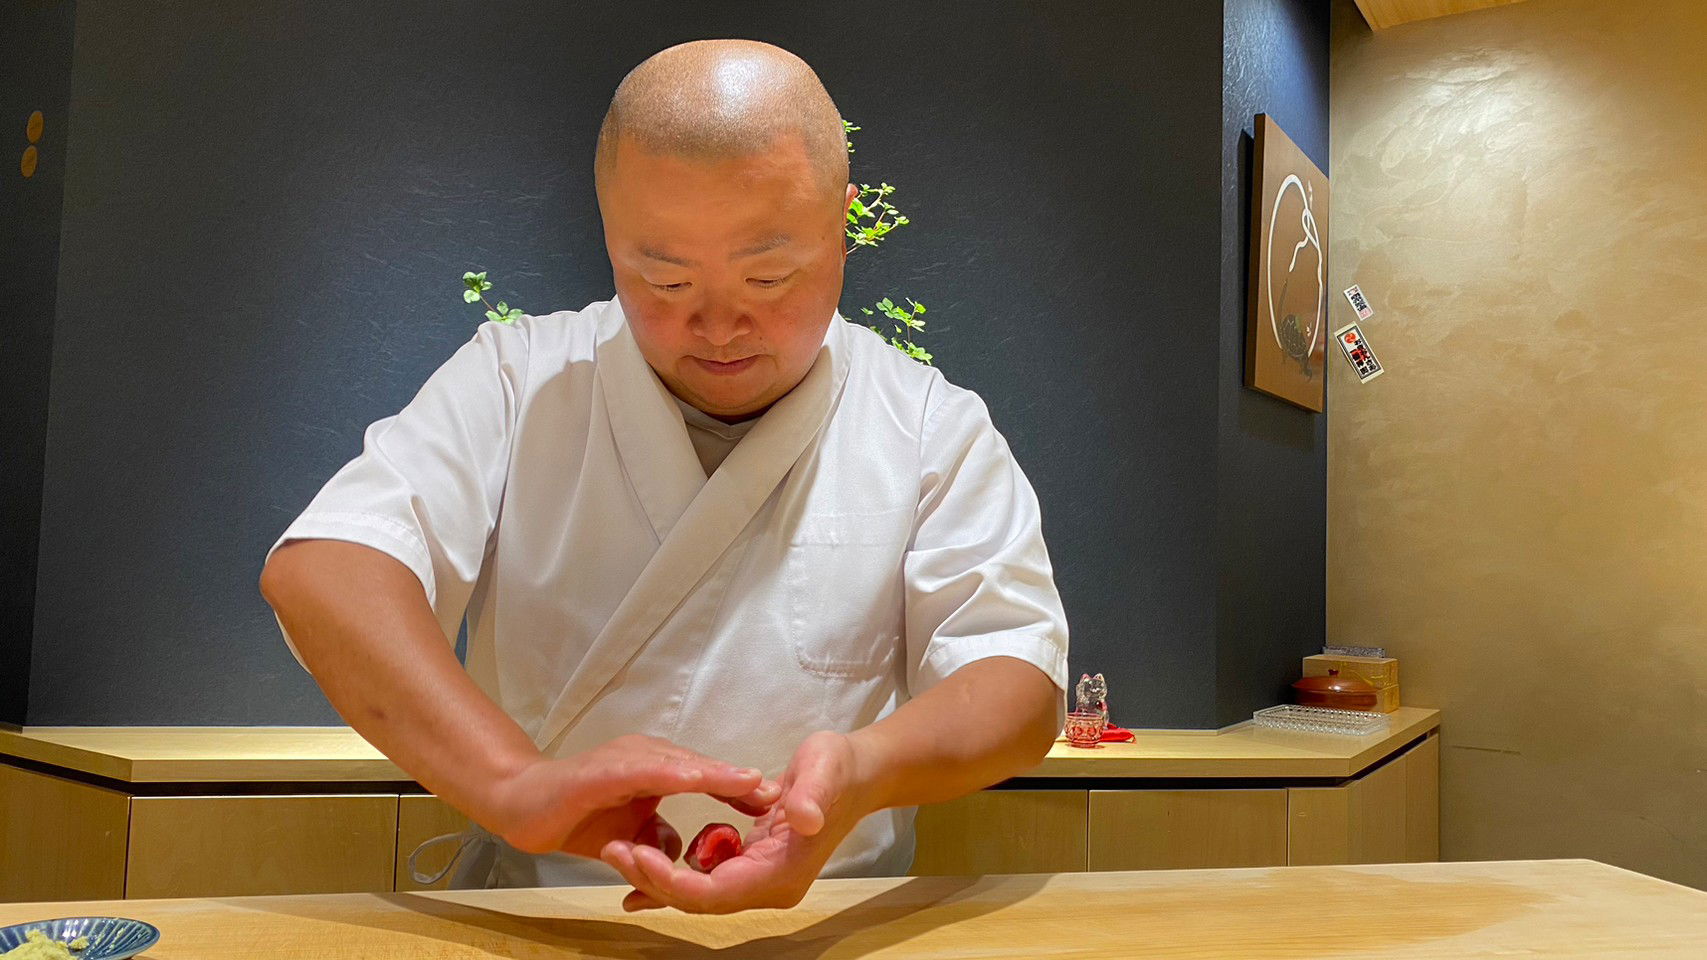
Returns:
point(110, 938)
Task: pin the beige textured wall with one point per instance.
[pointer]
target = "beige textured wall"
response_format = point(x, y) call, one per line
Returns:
point(1518, 507)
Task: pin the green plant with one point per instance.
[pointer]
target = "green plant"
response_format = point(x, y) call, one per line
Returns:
point(872, 203)
point(477, 284)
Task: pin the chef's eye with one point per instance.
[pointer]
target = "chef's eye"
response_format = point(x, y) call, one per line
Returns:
point(668, 287)
point(770, 282)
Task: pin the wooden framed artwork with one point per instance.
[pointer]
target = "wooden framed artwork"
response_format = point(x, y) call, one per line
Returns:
point(1286, 339)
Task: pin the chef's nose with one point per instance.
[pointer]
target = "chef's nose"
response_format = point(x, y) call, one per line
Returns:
point(720, 326)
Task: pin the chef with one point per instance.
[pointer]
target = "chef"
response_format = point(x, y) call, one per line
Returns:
point(723, 555)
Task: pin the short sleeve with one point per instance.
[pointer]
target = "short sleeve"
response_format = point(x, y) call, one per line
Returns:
point(978, 577)
point(428, 483)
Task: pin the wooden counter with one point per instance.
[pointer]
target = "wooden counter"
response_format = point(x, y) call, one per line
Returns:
point(1241, 752)
point(333, 754)
point(142, 813)
point(1568, 910)
point(205, 754)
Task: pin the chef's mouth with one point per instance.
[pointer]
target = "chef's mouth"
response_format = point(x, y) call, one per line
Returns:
point(729, 368)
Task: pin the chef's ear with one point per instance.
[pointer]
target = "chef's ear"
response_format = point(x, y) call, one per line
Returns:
point(847, 207)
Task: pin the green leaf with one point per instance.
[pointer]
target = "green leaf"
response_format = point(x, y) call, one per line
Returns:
point(858, 207)
point(468, 276)
point(485, 286)
point(469, 296)
point(491, 315)
point(866, 311)
point(503, 308)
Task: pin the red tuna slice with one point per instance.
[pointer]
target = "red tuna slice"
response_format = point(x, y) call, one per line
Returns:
point(713, 845)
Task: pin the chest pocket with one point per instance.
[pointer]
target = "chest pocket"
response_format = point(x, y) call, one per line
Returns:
point(846, 598)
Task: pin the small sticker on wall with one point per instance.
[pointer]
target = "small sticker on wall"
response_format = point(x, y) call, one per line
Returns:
point(1359, 302)
point(1355, 346)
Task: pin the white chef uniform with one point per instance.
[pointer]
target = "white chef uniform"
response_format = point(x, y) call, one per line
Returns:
point(867, 536)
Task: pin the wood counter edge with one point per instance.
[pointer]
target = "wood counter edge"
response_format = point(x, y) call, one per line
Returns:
point(27, 911)
point(20, 744)
point(1072, 763)
point(44, 746)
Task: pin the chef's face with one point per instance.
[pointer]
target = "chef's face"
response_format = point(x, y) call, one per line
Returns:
point(728, 271)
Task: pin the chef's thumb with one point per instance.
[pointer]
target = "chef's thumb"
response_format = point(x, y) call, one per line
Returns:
point(809, 800)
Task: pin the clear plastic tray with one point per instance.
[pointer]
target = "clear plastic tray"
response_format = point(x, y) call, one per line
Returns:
point(1352, 723)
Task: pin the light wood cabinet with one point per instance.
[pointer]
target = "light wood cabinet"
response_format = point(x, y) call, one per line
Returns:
point(1389, 815)
point(238, 846)
point(1002, 831)
point(89, 836)
point(1186, 829)
point(59, 839)
point(1422, 802)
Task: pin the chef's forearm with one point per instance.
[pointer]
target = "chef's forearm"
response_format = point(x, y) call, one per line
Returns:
point(362, 623)
point(989, 720)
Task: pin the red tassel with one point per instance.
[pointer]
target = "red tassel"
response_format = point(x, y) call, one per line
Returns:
point(1114, 734)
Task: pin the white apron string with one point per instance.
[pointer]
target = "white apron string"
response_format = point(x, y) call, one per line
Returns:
point(464, 839)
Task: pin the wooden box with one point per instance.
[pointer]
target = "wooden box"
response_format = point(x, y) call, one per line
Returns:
point(1382, 673)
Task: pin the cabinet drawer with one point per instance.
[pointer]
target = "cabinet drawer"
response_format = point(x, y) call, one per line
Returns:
point(59, 839)
point(1002, 831)
point(1389, 815)
point(1187, 829)
point(242, 846)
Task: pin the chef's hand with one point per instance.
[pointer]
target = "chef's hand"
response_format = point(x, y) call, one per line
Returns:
point(824, 794)
point(582, 803)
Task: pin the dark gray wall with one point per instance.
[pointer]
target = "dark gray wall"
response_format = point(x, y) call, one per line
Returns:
point(1271, 516)
point(267, 210)
point(35, 74)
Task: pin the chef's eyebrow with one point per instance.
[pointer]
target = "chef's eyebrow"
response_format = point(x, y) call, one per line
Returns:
point(769, 243)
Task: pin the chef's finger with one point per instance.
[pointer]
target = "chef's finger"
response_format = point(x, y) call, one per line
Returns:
point(616, 854)
point(659, 776)
point(720, 891)
point(623, 857)
point(658, 833)
point(636, 901)
point(680, 887)
point(758, 802)
point(688, 890)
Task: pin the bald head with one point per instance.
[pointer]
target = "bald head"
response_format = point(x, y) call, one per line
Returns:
point(715, 100)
